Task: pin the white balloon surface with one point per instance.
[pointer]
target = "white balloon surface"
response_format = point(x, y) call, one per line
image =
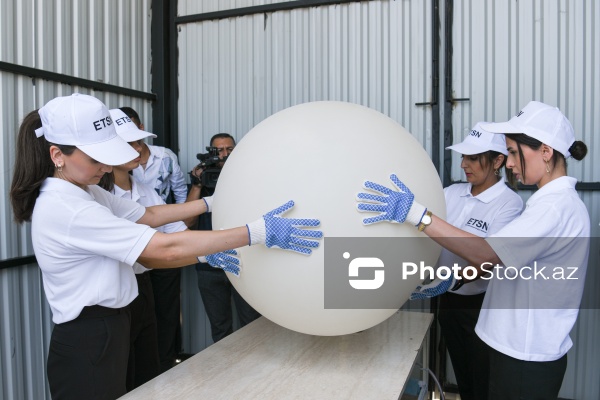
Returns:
point(319, 154)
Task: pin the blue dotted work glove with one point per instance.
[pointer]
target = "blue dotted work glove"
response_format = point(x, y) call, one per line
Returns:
point(275, 231)
point(227, 260)
point(393, 206)
point(434, 288)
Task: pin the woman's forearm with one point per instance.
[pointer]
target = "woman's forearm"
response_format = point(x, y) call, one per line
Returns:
point(472, 248)
point(179, 249)
point(163, 214)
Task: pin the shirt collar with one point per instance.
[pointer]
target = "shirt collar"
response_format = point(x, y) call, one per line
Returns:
point(493, 192)
point(60, 185)
point(154, 155)
point(466, 190)
point(132, 194)
point(554, 186)
point(487, 195)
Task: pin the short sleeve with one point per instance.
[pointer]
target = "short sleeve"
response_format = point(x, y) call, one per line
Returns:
point(526, 238)
point(95, 229)
point(120, 207)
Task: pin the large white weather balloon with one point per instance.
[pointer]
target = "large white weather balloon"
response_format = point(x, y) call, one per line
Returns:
point(319, 154)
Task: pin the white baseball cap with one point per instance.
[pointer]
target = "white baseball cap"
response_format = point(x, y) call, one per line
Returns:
point(542, 122)
point(126, 128)
point(84, 122)
point(479, 141)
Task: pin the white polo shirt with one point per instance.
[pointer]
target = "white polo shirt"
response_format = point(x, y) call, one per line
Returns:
point(163, 173)
point(481, 215)
point(85, 242)
point(146, 196)
point(529, 317)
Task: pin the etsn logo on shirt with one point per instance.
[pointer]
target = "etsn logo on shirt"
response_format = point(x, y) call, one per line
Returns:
point(475, 133)
point(478, 224)
point(122, 120)
point(103, 123)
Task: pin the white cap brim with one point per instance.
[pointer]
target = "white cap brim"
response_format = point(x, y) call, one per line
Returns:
point(470, 149)
point(115, 151)
point(466, 148)
point(132, 135)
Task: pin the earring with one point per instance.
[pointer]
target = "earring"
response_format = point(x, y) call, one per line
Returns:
point(496, 172)
point(547, 167)
point(58, 167)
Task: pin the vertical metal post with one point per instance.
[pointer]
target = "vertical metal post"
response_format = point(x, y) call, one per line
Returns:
point(163, 42)
point(173, 60)
point(449, 17)
point(435, 83)
point(435, 156)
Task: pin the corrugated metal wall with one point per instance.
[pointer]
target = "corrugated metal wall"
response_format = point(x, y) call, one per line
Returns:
point(506, 53)
point(238, 71)
point(105, 41)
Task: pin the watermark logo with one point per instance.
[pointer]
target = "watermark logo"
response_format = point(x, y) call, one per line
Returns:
point(380, 273)
point(365, 262)
point(366, 273)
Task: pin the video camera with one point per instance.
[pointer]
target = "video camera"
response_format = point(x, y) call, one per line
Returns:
point(209, 163)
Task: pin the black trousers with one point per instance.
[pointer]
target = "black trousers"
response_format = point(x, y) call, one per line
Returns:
point(216, 292)
point(458, 316)
point(512, 379)
point(87, 358)
point(166, 284)
point(144, 362)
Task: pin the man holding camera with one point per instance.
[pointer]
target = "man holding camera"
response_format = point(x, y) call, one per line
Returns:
point(215, 289)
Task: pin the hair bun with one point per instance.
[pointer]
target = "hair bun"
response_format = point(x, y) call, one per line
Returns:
point(578, 150)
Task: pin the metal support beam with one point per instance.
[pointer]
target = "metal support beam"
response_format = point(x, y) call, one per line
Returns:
point(17, 262)
point(243, 11)
point(73, 80)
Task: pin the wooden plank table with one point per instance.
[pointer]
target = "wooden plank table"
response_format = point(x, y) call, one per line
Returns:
point(266, 361)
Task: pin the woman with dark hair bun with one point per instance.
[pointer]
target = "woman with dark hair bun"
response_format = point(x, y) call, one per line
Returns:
point(535, 265)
